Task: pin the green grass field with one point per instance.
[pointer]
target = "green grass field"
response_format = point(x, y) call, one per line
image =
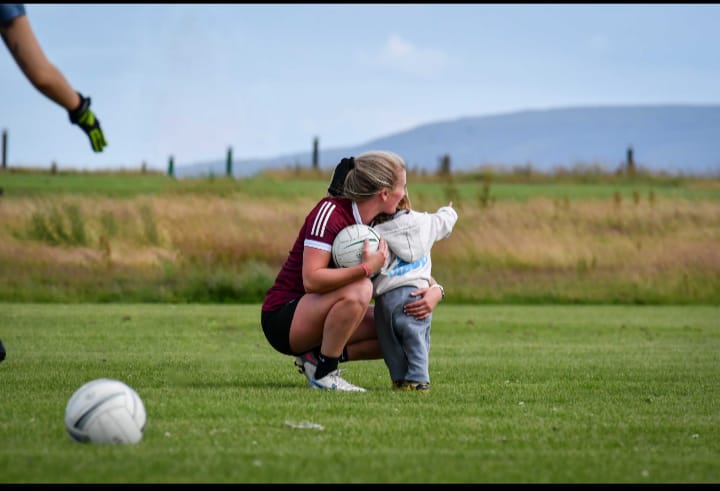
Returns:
point(525, 394)
point(307, 182)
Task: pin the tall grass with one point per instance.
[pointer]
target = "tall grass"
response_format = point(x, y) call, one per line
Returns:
point(525, 242)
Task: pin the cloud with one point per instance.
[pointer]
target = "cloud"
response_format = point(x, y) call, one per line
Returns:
point(401, 55)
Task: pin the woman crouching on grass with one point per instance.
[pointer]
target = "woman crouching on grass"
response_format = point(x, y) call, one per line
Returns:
point(320, 313)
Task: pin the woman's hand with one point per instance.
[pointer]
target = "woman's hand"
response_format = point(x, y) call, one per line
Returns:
point(424, 306)
point(375, 260)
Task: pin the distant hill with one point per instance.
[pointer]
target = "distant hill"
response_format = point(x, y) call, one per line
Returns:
point(677, 139)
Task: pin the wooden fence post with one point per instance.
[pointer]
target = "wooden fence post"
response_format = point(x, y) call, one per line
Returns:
point(630, 165)
point(4, 149)
point(315, 162)
point(228, 163)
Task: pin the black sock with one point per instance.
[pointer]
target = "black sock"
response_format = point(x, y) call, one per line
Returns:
point(344, 356)
point(325, 366)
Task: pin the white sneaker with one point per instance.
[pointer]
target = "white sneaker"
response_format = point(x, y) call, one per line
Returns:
point(333, 381)
point(307, 364)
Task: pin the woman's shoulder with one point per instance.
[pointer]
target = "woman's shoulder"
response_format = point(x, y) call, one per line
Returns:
point(333, 209)
point(342, 203)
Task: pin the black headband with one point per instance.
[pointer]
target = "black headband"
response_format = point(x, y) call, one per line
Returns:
point(338, 178)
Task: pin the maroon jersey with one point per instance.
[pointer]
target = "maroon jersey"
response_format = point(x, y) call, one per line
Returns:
point(322, 224)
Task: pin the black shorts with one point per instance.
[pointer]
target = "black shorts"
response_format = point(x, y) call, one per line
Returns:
point(276, 326)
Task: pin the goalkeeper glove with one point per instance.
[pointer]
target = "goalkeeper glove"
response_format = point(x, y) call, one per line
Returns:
point(86, 120)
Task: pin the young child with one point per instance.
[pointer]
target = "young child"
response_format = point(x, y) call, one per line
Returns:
point(405, 340)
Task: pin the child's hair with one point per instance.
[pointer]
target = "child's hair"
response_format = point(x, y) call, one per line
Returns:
point(403, 204)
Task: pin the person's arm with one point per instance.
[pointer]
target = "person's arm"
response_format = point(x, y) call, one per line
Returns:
point(429, 299)
point(318, 277)
point(30, 57)
point(49, 80)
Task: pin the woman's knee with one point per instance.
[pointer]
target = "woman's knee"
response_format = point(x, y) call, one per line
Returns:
point(360, 292)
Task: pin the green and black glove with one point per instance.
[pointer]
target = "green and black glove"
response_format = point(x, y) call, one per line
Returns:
point(86, 120)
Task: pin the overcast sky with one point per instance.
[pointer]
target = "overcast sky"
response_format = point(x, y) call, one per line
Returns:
point(192, 80)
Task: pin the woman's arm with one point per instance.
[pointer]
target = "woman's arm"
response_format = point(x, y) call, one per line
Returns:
point(430, 297)
point(318, 277)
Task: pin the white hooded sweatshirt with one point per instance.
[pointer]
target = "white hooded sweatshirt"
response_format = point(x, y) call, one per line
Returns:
point(410, 235)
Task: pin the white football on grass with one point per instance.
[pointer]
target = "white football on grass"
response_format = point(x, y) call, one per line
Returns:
point(105, 411)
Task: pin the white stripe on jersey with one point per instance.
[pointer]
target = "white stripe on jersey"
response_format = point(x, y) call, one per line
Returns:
point(321, 219)
point(317, 245)
point(327, 218)
point(318, 217)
